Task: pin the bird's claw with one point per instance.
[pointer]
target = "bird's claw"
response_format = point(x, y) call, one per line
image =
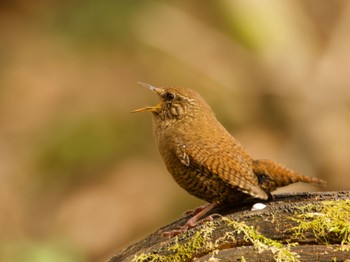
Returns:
point(175, 232)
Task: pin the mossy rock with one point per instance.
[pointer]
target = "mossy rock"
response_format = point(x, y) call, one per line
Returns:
point(292, 227)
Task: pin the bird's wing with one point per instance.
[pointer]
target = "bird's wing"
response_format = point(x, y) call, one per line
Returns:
point(230, 163)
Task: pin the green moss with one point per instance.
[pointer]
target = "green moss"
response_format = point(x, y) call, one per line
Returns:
point(199, 242)
point(260, 242)
point(202, 243)
point(148, 257)
point(328, 221)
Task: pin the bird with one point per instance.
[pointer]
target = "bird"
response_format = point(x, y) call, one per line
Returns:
point(205, 159)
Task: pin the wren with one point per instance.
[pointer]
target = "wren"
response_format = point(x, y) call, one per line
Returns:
point(205, 159)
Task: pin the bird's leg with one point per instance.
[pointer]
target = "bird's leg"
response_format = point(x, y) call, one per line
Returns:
point(192, 222)
point(196, 210)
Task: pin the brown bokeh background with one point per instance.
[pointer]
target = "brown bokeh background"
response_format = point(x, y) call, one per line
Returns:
point(81, 178)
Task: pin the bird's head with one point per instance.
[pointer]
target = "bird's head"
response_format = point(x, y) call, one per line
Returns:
point(175, 104)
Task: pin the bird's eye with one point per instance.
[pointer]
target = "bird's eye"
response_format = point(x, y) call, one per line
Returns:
point(169, 96)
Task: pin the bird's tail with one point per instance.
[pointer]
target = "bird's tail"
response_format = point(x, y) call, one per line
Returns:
point(272, 175)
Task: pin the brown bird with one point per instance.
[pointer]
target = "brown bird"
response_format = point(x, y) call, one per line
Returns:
point(205, 159)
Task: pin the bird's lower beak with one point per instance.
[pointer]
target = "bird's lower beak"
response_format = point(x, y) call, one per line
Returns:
point(148, 108)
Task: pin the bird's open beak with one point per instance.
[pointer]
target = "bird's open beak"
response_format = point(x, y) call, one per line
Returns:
point(157, 90)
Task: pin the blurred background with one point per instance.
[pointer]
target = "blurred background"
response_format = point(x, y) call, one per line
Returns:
point(81, 177)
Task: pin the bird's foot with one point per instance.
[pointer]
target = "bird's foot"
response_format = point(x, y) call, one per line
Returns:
point(189, 224)
point(175, 232)
point(193, 221)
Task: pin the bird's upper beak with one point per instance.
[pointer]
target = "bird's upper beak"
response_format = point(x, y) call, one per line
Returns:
point(157, 90)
